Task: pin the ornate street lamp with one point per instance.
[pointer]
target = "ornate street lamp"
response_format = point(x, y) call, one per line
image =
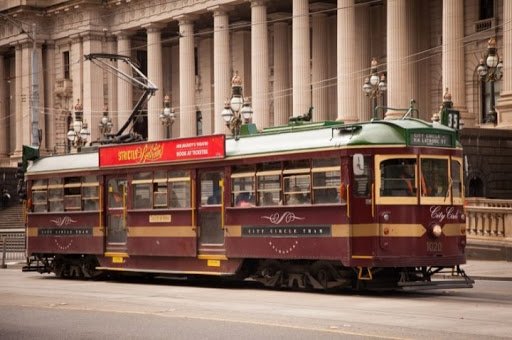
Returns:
point(167, 117)
point(375, 85)
point(237, 111)
point(78, 132)
point(105, 124)
point(489, 71)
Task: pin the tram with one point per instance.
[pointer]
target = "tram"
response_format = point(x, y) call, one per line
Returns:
point(314, 205)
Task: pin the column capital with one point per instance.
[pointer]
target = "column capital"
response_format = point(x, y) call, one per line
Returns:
point(320, 7)
point(276, 16)
point(185, 19)
point(75, 38)
point(256, 3)
point(92, 35)
point(220, 9)
point(154, 27)
point(50, 43)
point(123, 35)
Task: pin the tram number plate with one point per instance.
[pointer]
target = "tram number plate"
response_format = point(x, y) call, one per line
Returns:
point(434, 247)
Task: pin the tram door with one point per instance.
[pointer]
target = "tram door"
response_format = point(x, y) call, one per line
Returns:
point(210, 205)
point(116, 214)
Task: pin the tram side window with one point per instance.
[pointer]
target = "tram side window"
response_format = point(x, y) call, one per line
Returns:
point(72, 194)
point(179, 189)
point(160, 196)
point(242, 189)
point(434, 177)
point(90, 193)
point(297, 183)
point(56, 195)
point(326, 181)
point(210, 188)
point(362, 182)
point(39, 195)
point(398, 177)
point(142, 190)
point(456, 171)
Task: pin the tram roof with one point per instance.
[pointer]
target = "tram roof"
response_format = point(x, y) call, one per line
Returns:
point(325, 135)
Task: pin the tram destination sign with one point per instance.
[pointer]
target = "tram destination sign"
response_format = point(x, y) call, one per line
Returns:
point(175, 150)
point(430, 139)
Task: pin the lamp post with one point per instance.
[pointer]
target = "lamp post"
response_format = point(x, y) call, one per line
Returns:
point(374, 85)
point(78, 132)
point(105, 124)
point(489, 71)
point(167, 117)
point(237, 110)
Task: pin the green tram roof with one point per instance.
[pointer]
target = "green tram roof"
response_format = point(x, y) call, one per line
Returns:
point(305, 136)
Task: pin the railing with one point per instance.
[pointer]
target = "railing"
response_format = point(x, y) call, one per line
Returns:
point(12, 245)
point(489, 219)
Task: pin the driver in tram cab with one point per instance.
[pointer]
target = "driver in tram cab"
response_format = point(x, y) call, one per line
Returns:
point(408, 178)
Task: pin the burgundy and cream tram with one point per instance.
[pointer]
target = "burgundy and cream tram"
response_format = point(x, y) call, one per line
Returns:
point(320, 205)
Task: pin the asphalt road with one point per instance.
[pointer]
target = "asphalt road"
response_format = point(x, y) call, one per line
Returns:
point(34, 306)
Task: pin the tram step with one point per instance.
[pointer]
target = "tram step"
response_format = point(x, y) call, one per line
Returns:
point(444, 284)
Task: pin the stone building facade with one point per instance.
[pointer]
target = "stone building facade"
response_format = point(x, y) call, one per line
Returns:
point(291, 55)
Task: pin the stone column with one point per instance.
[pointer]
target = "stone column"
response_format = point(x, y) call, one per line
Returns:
point(346, 40)
point(75, 65)
point(93, 98)
point(281, 90)
point(206, 69)
point(49, 96)
point(241, 53)
point(41, 105)
point(504, 106)
point(259, 64)
point(320, 62)
point(156, 102)
point(112, 79)
point(18, 100)
point(301, 58)
point(26, 61)
point(4, 116)
point(453, 56)
point(401, 67)
point(222, 65)
point(175, 88)
point(124, 88)
point(332, 62)
point(187, 78)
point(363, 61)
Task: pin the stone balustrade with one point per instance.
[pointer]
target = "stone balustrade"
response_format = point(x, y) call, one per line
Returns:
point(489, 224)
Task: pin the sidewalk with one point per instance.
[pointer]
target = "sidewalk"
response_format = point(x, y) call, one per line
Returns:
point(488, 270)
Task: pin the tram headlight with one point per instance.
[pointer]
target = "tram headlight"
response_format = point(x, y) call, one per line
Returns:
point(437, 230)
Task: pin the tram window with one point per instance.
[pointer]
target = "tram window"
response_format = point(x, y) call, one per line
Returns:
point(160, 190)
point(242, 189)
point(142, 190)
point(55, 194)
point(362, 182)
point(326, 181)
point(39, 195)
point(90, 193)
point(179, 189)
point(456, 171)
point(434, 177)
point(210, 188)
point(269, 187)
point(398, 177)
point(72, 194)
point(296, 189)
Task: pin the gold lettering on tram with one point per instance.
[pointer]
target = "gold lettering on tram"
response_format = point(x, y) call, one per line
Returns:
point(142, 154)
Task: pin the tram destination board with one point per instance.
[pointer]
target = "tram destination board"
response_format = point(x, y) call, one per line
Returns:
point(176, 150)
point(430, 139)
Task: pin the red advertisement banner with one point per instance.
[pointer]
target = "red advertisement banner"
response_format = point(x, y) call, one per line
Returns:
point(175, 150)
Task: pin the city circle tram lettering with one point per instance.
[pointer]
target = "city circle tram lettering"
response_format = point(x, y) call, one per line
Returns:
point(289, 231)
point(81, 231)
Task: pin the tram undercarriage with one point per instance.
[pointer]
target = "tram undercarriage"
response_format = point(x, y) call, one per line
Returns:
point(316, 275)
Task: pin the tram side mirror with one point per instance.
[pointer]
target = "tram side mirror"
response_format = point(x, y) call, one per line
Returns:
point(358, 164)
